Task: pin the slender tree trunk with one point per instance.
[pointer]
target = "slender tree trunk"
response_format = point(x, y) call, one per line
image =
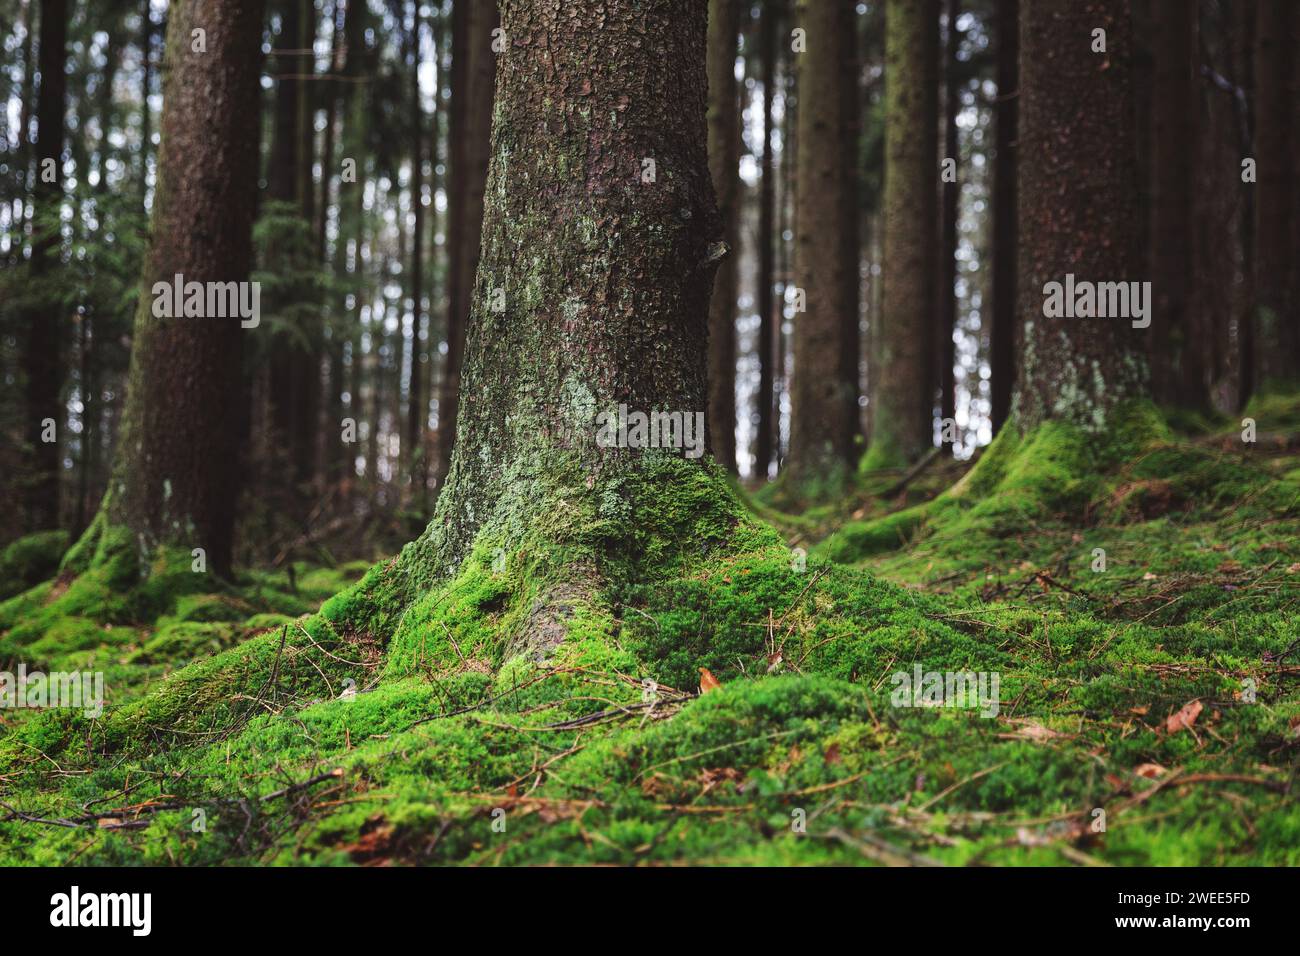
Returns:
point(904, 390)
point(724, 161)
point(416, 411)
point(1002, 338)
point(147, 33)
point(947, 305)
point(769, 318)
point(175, 476)
point(1177, 371)
point(42, 356)
point(473, 77)
point(1274, 252)
point(587, 93)
point(1076, 202)
point(823, 404)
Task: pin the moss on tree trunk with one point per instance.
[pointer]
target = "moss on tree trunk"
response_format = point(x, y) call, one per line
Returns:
point(904, 392)
point(1078, 199)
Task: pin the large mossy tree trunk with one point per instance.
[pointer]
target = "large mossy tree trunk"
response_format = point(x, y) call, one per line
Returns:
point(42, 360)
point(473, 80)
point(176, 476)
point(823, 392)
point(1077, 197)
point(600, 240)
point(903, 394)
point(724, 158)
point(1177, 369)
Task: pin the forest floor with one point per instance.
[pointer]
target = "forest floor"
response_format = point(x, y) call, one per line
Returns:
point(1147, 709)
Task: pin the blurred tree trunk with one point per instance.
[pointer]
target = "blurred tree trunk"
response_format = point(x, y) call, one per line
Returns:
point(1076, 201)
point(946, 350)
point(416, 412)
point(769, 317)
point(823, 404)
point(724, 161)
point(42, 354)
point(1002, 338)
point(1176, 343)
point(472, 84)
point(176, 476)
point(905, 381)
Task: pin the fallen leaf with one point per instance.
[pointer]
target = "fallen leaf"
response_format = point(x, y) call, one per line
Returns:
point(1150, 770)
point(1030, 729)
point(833, 753)
point(708, 682)
point(1185, 717)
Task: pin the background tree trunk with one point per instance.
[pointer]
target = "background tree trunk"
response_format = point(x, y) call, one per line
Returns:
point(904, 393)
point(1177, 372)
point(823, 405)
point(1002, 371)
point(42, 357)
point(769, 316)
point(724, 158)
point(1276, 140)
point(175, 476)
point(1076, 211)
point(946, 349)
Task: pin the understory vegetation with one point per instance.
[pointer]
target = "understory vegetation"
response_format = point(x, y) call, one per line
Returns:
point(1137, 597)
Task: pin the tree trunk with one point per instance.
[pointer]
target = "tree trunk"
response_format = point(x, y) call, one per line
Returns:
point(416, 411)
point(1177, 372)
point(1077, 198)
point(946, 350)
point(904, 392)
point(1002, 337)
point(823, 403)
point(175, 476)
point(1275, 141)
point(769, 317)
point(724, 161)
point(472, 84)
point(42, 358)
point(600, 238)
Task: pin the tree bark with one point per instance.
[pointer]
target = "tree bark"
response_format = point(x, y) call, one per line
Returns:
point(603, 274)
point(416, 412)
point(175, 474)
point(42, 357)
point(946, 350)
point(724, 161)
point(1077, 198)
point(904, 394)
point(1002, 337)
point(1276, 140)
point(823, 403)
point(1177, 369)
point(472, 87)
point(769, 317)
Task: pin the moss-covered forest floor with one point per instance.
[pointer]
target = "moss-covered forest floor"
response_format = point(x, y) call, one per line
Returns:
point(1159, 695)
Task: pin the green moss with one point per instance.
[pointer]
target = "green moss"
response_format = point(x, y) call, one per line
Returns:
point(30, 560)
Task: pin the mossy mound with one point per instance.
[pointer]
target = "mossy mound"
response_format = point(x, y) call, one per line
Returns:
point(540, 704)
point(30, 560)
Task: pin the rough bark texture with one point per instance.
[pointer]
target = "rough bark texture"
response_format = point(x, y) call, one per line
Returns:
point(1177, 370)
point(724, 160)
point(1276, 140)
point(605, 277)
point(769, 317)
point(902, 420)
point(175, 477)
point(42, 352)
point(823, 404)
point(1002, 337)
point(472, 89)
point(1077, 198)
